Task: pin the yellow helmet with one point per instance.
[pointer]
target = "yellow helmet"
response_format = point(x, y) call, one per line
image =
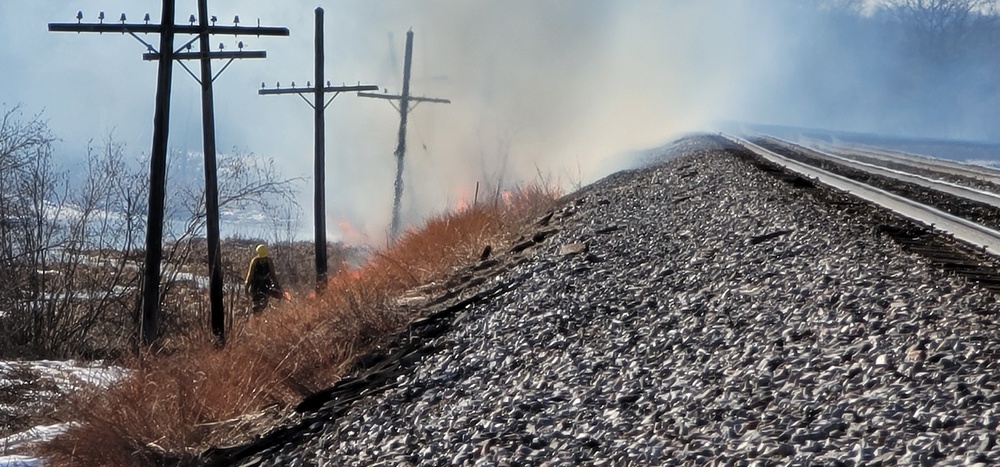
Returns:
point(261, 250)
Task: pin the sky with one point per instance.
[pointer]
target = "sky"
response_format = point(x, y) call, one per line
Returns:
point(548, 91)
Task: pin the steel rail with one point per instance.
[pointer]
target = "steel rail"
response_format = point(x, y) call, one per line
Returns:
point(963, 230)
point(987, 174)
point(954, 189)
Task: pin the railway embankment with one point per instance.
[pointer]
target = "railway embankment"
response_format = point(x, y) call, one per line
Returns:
point(703, 309)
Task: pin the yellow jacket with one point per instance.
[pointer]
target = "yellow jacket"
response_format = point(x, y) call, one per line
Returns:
point(261, 271)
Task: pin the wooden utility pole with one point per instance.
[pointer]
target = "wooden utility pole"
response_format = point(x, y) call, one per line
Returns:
point(319, 105)
point(158, 156)
point(206, 79)
point(404, 109)
point(218, 312)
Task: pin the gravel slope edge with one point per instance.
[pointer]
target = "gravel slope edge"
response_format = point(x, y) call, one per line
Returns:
point(697, 310)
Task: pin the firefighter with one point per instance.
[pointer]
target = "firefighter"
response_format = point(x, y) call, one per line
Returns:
point(262, 281)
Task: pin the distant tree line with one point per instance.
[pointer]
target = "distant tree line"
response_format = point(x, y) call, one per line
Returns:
point(915, 67)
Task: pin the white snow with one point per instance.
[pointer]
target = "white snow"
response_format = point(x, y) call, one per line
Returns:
point(19, 461)
point(19, 442)
point(68, 376)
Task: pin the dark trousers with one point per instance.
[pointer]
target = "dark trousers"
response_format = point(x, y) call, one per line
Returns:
point(260, 294)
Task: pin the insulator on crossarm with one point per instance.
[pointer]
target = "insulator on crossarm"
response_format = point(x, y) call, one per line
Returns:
point(308, 85)
point(278, 84)
point(222, 46)
point(293, 84)
point(192, 19)
point(214, 19)
point(146, 18)
point(101, 17)
point(262, 85)
point(122, 19)
point(240, 45)
point(236, 20)
point(79, 16)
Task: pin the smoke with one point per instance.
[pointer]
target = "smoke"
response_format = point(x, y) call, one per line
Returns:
point(553, 92)
point(542, 92)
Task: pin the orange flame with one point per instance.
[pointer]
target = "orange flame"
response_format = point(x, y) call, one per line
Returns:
point(352, 235)
point(507, 196)
point(464, 198)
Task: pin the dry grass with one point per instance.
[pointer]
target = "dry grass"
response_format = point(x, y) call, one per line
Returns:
point(174, 406)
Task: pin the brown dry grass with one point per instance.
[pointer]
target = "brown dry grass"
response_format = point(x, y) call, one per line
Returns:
point(174, 406)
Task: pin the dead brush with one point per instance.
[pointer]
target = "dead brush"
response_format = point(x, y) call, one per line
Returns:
point(171, 407)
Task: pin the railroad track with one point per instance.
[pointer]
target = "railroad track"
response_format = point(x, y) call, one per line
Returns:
point(933, 223)
point(914, 163)
point(927, 176)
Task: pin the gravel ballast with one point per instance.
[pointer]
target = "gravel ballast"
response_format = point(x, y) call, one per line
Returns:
point(699, 310)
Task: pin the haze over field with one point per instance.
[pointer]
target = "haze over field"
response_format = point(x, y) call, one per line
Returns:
point(551, 89)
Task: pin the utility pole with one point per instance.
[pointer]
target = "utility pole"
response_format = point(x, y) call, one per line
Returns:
point(319, 105)
point(158, 156)
point(206, 79)
point(404, 109)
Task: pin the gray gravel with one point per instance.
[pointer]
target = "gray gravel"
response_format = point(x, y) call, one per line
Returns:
point(698, 311)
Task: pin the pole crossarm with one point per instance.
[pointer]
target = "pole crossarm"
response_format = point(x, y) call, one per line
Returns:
point(300, 90)
point(144, 28)
point(396, 97)
point(336, 90)
point(213, 55)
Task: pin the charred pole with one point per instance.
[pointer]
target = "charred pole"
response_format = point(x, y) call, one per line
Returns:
point(148, 324)
point(319, 105)
point(404, 109)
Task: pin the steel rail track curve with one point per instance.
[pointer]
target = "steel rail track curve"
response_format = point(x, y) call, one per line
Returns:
point(951, 188)
point(980, 172)
point(963, 230)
